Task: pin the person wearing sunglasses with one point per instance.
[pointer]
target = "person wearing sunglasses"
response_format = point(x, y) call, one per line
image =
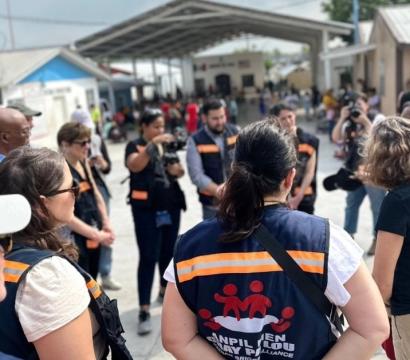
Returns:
point(52, 309)
point(156, 201)
point(90, 226)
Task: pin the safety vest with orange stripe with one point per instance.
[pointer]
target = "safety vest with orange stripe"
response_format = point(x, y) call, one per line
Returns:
point(216, 164)
point(12, 339)
point(308, 145)
point(246, 306)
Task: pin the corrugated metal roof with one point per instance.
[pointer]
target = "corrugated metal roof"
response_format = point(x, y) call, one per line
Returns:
point(397, 19)
point(16, 65)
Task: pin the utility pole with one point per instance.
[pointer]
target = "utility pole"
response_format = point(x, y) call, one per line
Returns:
point(12, 42)
point(355, 18)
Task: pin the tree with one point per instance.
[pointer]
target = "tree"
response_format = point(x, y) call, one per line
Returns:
point(341, 10)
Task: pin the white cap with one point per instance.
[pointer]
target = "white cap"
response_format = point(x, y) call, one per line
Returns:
point(15, 213)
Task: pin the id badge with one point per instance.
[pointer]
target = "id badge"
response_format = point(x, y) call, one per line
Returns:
point(163, 218)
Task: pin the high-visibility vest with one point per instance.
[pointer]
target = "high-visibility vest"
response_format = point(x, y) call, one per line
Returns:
point(216, 165)
point(246, 306)
point(12, 339)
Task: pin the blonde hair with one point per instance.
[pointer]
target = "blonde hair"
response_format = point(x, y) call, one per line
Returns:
point(387, 152)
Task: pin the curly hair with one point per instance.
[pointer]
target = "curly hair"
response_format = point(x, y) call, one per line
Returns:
point(387, 153)
point(31, 173)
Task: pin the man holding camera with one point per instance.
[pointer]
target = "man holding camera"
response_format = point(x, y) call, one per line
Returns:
point(351, 129)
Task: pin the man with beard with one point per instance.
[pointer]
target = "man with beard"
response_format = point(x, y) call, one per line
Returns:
point(210, 155)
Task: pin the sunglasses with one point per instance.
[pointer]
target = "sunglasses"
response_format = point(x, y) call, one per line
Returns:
point(6, 244)
point(82, 143)
point(75, 190)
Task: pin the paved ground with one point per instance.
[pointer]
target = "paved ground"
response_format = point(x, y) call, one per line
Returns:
point(329, 205)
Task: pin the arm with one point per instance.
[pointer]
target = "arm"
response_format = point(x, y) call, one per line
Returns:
point(179, 330)
point(388, 248)
point(137, 161)
point(72, 341)
point(367, 318)
point(337, 133)
point(196, 170)
point(306, 181)
point(99, 200)
point(80, 227)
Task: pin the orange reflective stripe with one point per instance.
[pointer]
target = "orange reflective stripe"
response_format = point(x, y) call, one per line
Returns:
point(139, 195)
point(141, 148)
point(94, 288)
point(84, 186)
point(13, 270)
point(231, 139)
point(252, 262)
point(306, 148)
point(308, 191)
point(207, 149)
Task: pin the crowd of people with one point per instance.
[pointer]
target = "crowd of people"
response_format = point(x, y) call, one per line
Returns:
point(240, 283)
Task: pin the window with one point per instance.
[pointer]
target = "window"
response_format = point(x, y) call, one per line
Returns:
point(89, 93)
point(248, 81)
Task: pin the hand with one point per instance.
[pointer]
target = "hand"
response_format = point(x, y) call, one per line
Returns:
point(163, 138)
point(361, 174)
point(344, 113)
point(174, 169)
point(220, 191)
point(294, 201)
point(105, 237)
point(107, 227)
point(99, 162)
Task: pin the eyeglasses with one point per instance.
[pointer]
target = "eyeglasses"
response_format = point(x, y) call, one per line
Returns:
point(6, 244)
point(82, 143)
point(75, 190)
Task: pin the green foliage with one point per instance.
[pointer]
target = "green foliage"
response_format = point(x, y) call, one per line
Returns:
point(341, 10)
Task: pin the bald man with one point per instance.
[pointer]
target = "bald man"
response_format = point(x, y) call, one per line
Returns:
point(14, 131)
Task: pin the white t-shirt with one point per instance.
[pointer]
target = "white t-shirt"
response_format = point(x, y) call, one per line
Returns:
point(52, 295)
point(344, 259)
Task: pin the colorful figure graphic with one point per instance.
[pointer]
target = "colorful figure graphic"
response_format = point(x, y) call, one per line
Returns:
point(231, 301)
point(257, 303)
point(207, 315)
point(283, 324)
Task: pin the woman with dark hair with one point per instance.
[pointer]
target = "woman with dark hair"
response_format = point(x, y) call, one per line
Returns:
point(233, 300)
point(387, 165)
point(91, 226)
point(156, 201)
point(52, 309)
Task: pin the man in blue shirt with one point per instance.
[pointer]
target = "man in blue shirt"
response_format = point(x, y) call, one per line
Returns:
point(15, 131)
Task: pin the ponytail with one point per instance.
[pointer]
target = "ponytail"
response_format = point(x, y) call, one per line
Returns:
point(264, 155)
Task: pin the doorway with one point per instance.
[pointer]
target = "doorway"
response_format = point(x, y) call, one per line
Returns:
point(223, 84)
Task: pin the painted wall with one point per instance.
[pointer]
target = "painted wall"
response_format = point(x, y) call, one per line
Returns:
point(56, 100)
point(234, 65)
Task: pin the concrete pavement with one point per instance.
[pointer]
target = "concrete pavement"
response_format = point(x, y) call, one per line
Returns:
point(329, 205)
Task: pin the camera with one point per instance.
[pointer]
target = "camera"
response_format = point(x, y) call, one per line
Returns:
point(170, 158)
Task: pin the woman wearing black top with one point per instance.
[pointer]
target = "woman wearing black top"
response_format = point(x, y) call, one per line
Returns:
point(91, 225)
point(156, 200)
point(388, 165)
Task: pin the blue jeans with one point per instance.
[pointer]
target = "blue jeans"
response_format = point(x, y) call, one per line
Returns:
point(353, 201)
point(105, 263)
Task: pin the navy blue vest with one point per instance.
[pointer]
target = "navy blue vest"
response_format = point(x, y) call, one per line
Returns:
point(211, 156)
point(308, 144)
point(246, 306)
point(12, 338)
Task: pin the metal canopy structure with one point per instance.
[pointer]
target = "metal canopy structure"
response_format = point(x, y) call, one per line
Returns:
point(183, 27)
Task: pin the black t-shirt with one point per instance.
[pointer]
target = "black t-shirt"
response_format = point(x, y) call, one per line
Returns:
point(395, 218)
point(151, 178)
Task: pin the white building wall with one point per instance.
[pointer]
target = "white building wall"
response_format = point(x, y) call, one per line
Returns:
point(234, 65)
point(56, 100)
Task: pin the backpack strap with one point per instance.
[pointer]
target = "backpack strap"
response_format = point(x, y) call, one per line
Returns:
point(309, 288)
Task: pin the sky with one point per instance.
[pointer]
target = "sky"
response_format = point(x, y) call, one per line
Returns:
point(103, 13)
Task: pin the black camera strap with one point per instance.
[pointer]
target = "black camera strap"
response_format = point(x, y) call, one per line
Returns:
point(309, 288)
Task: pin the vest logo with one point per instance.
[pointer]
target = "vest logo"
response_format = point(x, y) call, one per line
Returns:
point(249, 315)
